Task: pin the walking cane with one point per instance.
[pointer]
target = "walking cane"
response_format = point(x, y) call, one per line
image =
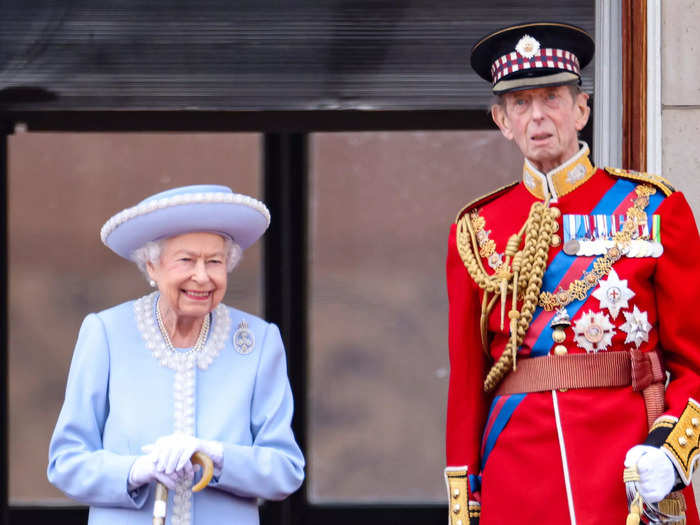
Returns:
point(160, 505)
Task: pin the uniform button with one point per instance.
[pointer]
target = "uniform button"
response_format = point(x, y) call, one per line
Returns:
point(560, 350)
point(689, 432)
point(682, 441)
point(456, 507)
point(558, 335)
point(459, 522)
point(695, 422)
point(455, 493)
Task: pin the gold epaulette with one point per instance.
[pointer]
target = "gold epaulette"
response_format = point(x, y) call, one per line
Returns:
point(683, 442)
point(657, 181)
point(485, 198)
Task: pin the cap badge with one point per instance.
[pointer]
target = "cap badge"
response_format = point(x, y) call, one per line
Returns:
point(243, 338)
point(527, 46)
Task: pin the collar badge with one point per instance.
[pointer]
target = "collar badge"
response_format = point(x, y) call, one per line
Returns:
point(529, 180)
point(576, 174)
point(243, 338)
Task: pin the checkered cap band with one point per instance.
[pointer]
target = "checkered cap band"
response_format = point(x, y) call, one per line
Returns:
point(546, 58)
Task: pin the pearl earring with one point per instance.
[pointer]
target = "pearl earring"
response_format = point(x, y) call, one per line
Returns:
point(152, 283)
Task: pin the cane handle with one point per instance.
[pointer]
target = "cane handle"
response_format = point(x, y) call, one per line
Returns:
point(160, 503)
point(204, 461)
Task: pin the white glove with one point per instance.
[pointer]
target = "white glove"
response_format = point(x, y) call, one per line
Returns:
point(656, 472)
point(144, 471)
point(173, 452)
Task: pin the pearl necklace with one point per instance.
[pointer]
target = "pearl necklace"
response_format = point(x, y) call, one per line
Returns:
point(201, 338)
point(156, 339)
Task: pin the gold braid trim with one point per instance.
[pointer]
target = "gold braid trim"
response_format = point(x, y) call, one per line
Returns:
point(538, 230)
point(528, 268)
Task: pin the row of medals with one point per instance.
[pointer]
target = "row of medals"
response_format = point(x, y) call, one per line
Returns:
point(635, 248)
point(597, 241)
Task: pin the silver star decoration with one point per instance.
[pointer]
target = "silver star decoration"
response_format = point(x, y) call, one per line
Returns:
point(637, 327)
point(613, 294)
point(593, 331)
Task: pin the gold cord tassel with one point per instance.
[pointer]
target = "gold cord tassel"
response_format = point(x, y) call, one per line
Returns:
point(504, 291)
point(538, 231)
point(514, 315)
point(635, 515)
point(536, 238)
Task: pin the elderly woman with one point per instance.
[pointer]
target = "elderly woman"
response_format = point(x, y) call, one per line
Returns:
point(155, 380)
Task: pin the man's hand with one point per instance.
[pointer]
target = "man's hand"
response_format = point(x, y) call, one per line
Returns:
point(656, 472)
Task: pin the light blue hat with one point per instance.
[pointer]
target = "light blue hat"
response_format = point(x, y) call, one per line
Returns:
point(198, 208)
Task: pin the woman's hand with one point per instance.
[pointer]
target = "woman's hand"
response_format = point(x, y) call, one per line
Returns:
point(656, 473)
point(144, 471)
point(173, 452)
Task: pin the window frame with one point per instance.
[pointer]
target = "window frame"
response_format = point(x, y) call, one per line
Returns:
point(285, 181)
point(285, 191)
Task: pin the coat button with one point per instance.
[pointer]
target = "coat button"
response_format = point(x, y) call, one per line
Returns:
point(456, 507)
point(455, 493)
point(682, 441)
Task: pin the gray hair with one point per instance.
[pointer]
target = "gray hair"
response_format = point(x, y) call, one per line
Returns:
point(151, 251)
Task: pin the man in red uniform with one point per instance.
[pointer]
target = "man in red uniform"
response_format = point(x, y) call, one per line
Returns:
point(574, 350)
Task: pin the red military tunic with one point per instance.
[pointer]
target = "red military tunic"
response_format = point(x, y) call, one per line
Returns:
point(557, 456)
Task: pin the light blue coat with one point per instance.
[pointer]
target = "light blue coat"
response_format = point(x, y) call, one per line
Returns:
point(119, 398)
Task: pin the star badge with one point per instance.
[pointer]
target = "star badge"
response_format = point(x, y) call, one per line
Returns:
point(636, 326)
point(613, 294)
point(593, 331)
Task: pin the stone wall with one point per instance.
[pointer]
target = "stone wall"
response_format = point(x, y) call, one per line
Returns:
point(680, 97)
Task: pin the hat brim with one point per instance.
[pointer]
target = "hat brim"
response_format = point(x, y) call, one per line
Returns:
point(243, 223)
point(559, 78)
point(549, 34)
